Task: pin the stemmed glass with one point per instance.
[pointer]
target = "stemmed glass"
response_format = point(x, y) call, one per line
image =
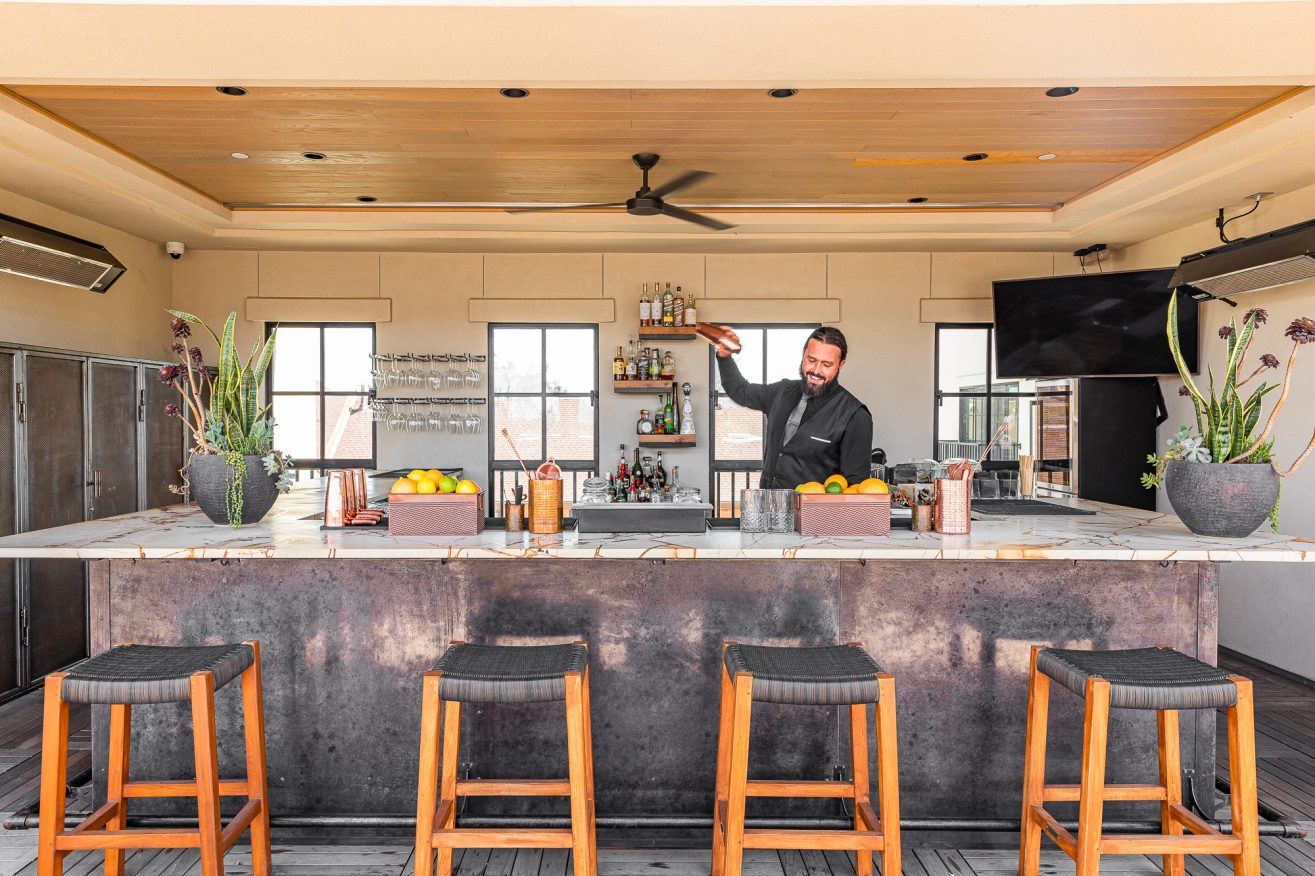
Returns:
point(456, 376)
point(456, 423)
point(435, 420)
point(414, 420)
point(472, 419)
point(434, 378)
point(395, 420)
point(472, 374)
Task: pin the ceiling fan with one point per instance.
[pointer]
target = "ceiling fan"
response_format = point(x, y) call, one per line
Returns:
point(649, 202)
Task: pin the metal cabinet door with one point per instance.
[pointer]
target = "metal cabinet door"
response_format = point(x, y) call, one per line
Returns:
point(56, 496)
point(9, 633)
point(114, 462)
point(164, 441)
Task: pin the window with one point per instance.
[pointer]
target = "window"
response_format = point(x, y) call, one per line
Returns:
point(544, 388)
point(318, 387)
point(768, 354)
point(971, 402)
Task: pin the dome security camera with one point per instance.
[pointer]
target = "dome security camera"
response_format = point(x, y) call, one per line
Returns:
point(175, 249)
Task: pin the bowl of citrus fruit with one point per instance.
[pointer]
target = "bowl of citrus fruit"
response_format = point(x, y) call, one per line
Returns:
point(836, 507)
point(428, 502)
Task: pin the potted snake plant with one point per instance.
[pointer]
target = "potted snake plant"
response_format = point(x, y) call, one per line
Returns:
point(233, 470)
point(1221, 478)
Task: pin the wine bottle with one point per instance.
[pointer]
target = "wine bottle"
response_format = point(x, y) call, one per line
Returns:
point(645, 312)
point(668, 418)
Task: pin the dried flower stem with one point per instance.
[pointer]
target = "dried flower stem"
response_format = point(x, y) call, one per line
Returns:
point(1251, 375)
point(1300, 459)
point(1278, 406)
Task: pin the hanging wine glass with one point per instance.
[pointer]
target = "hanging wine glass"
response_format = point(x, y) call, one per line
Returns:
point(456, 375)
point(456, 423)
point(472, 418)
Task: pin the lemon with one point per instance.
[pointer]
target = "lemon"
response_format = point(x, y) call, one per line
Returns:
point(834, 487)
point(810, 487)
point(467, 487)
point(837, 479)
point(404, 485)
point(417, 474)
point(447, 484)
point(434, 475)
point(426, 486)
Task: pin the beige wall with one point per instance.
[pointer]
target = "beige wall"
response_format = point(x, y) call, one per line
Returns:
point(1265, 610)
point(878, 297)
point(128, 320)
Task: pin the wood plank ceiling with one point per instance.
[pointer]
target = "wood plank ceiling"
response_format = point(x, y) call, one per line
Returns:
point(830, 147)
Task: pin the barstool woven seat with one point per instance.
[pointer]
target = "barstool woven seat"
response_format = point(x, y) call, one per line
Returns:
point(1142, 678)
point(145, 674)
point(831, 675)
point(508, 673)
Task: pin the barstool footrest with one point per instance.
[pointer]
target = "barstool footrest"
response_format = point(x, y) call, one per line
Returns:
point(1072, 793)
point(513, 788)
point(162, 838)
point(812, 788)
point(493, 838)
point(842, 840)
point(1170, 845)
point(182, 788)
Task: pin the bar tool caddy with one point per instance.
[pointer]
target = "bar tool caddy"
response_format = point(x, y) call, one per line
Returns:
point(347, 502)
point(543, 507)
point(954, 492)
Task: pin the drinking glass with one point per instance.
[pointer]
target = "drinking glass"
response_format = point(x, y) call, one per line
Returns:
point(456, 423)
point(780, 510)
point(985, 486)
point(396, 422)
point(435, 419)
point(472, 418)
point(456, 375)
point(1009, 482)
point(415, 421)
point(753, 511)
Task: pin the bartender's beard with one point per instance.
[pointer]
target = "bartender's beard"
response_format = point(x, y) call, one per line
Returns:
point(813, 390)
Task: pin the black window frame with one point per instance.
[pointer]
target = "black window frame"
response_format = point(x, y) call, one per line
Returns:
point(736, 467)
point(321, 464)
point(571, 469)
point(988, 394)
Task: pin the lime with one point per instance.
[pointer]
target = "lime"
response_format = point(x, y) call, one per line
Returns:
point(447, 484)
point(834, 487)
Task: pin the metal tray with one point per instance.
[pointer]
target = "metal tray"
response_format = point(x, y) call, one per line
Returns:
point(642, 517)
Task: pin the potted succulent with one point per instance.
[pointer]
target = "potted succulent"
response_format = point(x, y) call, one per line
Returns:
point(233, 470)
point(1221, 478)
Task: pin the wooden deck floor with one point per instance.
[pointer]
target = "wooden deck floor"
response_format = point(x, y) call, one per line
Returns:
point(1285, 726)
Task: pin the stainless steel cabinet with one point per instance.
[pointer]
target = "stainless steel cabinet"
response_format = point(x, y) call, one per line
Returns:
point(113, 403)
point(10, 653)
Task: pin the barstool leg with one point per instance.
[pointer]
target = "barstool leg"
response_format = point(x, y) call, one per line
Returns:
point(253, 732)
point(737, 781)
point(724, 717)
point(1171, 777)
point(54, 777)
point(207, 772)
point(1242, 774)
point(888, 775)
point(427, 794)
point(858, 756)
point(577, 770)
point(589, 777)
point(1034, 767)
point(1091, 797)
point(448, 781)
point(116, 778)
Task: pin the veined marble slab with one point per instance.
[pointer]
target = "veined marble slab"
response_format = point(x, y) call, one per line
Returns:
point(183, 532)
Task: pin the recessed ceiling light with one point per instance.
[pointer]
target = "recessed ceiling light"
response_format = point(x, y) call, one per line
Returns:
point(231, 90)
point(976, 156)
point(1045, 156)
point(1062, 91)
point(782, 92)
point(366, 199)
point(313, 156)
point(514, 92)
point(918, 200)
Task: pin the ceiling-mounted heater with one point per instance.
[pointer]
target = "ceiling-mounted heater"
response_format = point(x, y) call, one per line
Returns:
point(1261, 262)
point(44, 254)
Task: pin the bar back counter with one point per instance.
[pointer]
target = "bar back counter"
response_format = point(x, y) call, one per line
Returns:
point(349, 621)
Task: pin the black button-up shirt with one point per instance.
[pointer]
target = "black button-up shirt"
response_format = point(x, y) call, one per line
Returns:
point(834, 437)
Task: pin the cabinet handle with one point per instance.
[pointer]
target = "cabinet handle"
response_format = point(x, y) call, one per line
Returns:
point(22, 406)
point(141, 406)
point(95, 483)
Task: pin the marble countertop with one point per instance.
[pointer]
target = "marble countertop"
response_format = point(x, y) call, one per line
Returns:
point(183, 532)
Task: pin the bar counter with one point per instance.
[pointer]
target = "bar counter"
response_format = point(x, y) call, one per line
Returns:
point(344, 645)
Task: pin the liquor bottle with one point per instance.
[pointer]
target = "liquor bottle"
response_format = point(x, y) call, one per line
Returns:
point(621, 466)
point(632, 494)
point(659, 473)
point(636, 470)
point(668, 307)
point(619, 365)
point(658, 420)
point(668, 366)
point(675, 478)
point(645, 312)
point(715, 334)
point(678, 309)
point(669, 418)
point(631, 370)
point(691, 314)
point(643, 426)
point(611, 486)
point(641, 367)
point(686, 411)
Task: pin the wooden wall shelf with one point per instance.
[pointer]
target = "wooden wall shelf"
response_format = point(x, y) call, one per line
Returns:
point(668, 440)
point(641, 387)
point(667, 333)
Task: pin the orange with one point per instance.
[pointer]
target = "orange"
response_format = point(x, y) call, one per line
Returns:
point(852, 491)
point(434, 475)
point(810, 487)
point(837, 479)
point(873, 485)
point(404, 485)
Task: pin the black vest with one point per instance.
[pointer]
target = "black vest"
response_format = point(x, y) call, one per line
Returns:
point(814, 452)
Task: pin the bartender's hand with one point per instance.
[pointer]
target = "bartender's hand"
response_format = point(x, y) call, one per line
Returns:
point(722, 350)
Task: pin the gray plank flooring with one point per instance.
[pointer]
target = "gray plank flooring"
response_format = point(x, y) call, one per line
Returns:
point(1285, 726)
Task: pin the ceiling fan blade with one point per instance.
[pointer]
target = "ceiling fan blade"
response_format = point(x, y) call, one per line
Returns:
point(560, 207)
point(684, 181)
point(696, 218)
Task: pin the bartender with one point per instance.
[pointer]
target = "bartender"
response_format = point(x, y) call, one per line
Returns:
point(815, 427)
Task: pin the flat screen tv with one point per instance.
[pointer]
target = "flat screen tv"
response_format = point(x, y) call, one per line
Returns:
point(1090, 325)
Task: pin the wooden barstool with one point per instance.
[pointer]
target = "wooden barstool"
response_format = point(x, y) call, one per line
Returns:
point(132, 675)
point(828, 676)
point(503, 674)
point(1159, 679)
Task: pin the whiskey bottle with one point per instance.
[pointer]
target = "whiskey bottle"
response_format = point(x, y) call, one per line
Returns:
point(645, 312)
point(691, 314)
point(668, 366)
point(678, 309)
point(659, 473)
point(619, 365)
point(631, 368)
point(668, 307)
point(641, 367)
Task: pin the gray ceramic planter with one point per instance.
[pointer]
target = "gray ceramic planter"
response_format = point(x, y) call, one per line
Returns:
point(1218, 499)
point(209, 477)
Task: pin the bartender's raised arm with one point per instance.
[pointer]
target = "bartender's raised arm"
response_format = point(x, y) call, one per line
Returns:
point(856, 448)
point(745, 394)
